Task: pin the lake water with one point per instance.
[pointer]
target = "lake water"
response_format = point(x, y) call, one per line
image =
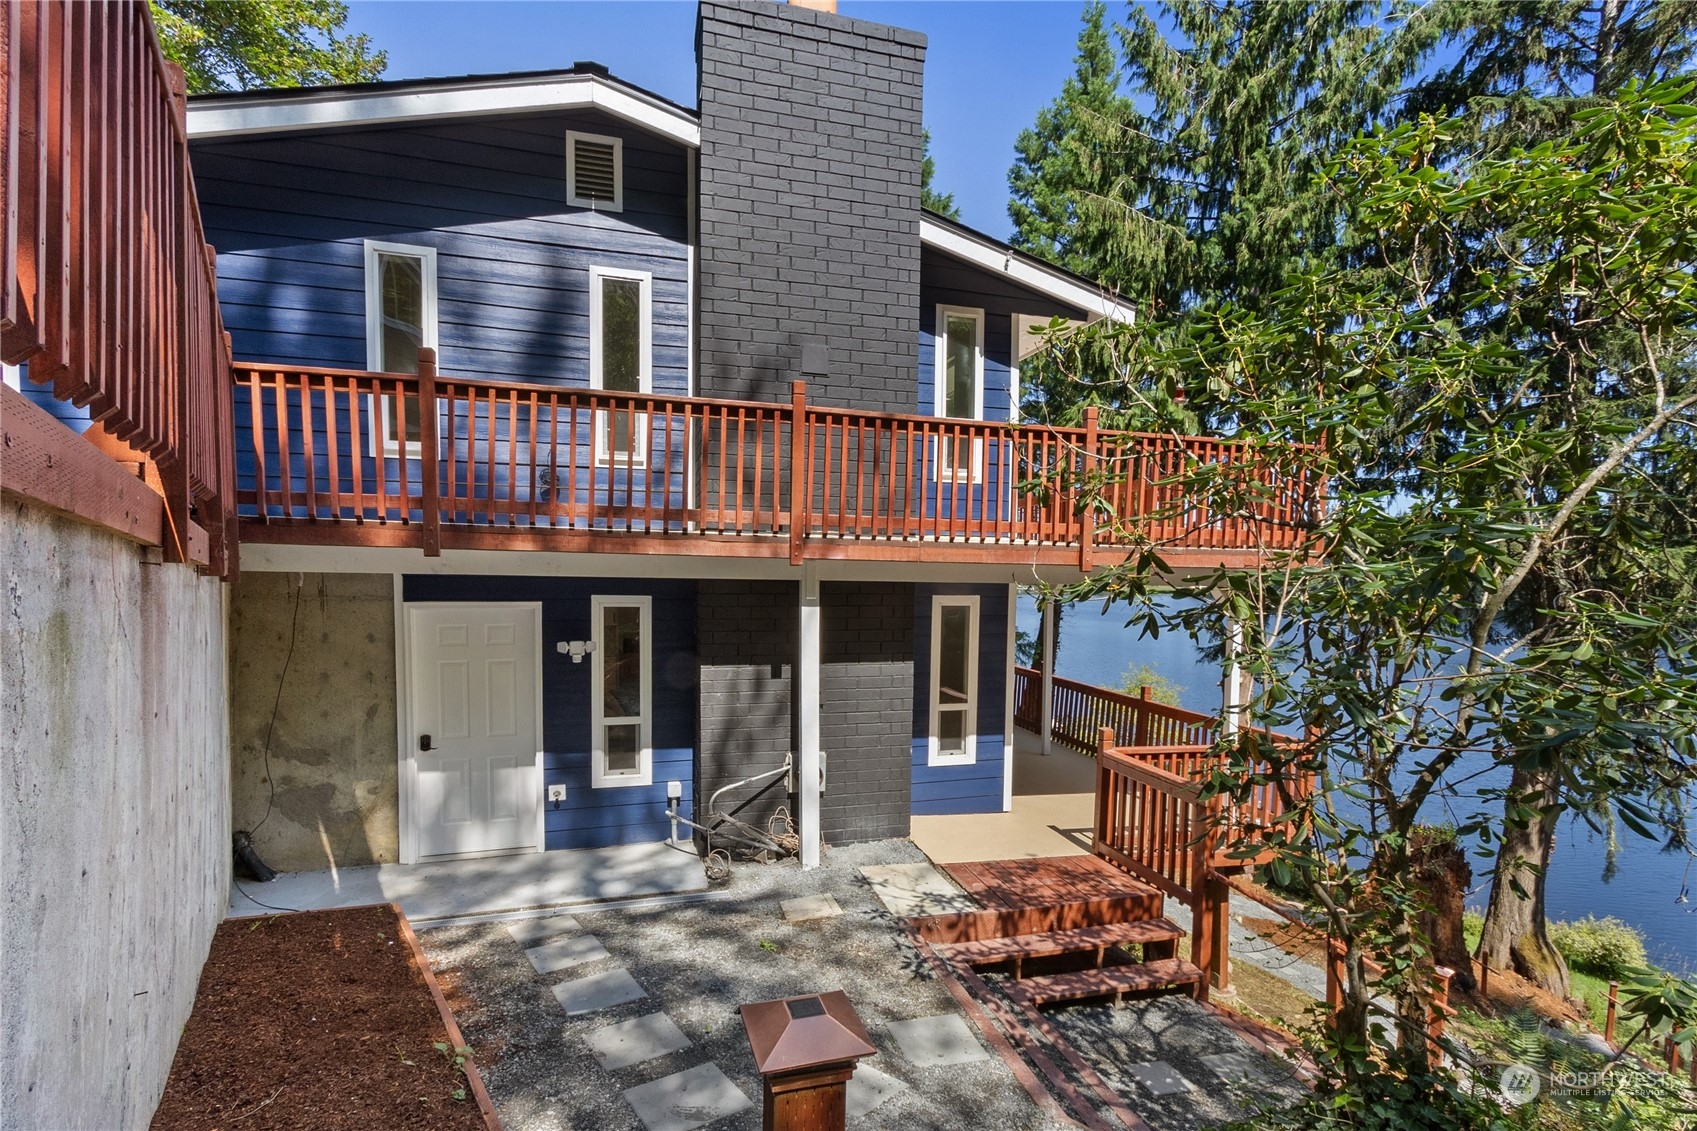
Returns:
point(1098, 648)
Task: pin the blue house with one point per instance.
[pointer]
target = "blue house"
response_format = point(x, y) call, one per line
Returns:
point(596, 451)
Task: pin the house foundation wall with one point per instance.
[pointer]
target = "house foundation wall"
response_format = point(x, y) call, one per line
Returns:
point(317, 784)
point(114, 817)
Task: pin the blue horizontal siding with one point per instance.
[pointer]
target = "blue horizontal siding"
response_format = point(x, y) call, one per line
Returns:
point(962, 789)
point(949, 282)
point(289, 216)
point(589, 817)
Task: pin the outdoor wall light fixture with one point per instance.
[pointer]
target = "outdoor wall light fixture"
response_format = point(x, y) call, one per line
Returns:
point(576, 649)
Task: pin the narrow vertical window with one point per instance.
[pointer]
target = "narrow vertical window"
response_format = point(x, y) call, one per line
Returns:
point(400, 319)
point(959, 374)
point(622, 695)
point(954, 680)
point(621, 358)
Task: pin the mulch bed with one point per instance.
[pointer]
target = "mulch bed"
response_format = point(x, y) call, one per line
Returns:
point(318, 1020)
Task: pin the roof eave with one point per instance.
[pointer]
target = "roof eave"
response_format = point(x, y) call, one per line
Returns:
point(259, 115)
point(992, 255)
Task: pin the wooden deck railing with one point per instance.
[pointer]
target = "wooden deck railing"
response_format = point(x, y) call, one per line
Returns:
point(795, 478)
point(1153, 820)
point(1081, 710)
point(107, 287)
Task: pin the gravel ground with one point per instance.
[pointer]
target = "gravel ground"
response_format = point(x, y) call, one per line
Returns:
point(1174, 1029)
point(699, 962)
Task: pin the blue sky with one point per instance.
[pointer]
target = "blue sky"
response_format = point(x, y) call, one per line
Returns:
point(989, 66)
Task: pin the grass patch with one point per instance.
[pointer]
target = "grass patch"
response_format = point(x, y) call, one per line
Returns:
point(1267, 997)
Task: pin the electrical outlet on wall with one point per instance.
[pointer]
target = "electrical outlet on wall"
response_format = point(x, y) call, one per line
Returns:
point(556, 794)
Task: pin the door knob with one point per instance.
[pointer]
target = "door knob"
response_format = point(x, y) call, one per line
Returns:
point(424, 742)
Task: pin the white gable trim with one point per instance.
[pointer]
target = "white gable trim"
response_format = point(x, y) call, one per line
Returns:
point(262, 115)
point(992, 256)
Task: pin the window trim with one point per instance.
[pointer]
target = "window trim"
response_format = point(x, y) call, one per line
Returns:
point(378, 407)
point(599, 778)
point(573, 200)
point(645, 361)
point(969, 740)
point(939, 393)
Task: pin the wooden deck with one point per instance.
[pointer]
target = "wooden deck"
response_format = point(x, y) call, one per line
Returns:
point(1016, 884)
point(1028, 897)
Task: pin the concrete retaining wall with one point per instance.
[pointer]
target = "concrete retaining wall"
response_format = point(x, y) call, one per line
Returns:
point(114, 818)
point(332, 749)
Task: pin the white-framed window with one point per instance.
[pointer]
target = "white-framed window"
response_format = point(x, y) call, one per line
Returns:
point(595, 172)
point(954, 680)
point(400, 319)
point(621, 358)
point(622, 691)
point(958, 368)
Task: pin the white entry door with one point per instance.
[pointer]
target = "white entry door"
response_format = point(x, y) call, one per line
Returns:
point(475, 735)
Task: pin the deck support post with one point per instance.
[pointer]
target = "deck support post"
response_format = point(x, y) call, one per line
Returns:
point(1210, 906)
point(1046, 712)
point(1233, 698)
point(807, 719)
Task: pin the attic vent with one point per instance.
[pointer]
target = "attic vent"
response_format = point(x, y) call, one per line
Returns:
point(595, 176)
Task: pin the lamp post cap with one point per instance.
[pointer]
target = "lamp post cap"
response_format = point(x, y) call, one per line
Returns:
point(796, 1033)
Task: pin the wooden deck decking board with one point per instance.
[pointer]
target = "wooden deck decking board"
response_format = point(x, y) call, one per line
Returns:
point(1016, 884)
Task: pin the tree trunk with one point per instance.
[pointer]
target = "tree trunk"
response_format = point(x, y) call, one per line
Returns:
point(1442, 874)
point(1515, 937)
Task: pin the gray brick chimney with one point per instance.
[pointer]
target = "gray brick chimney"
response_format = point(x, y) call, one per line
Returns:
point(809, 205)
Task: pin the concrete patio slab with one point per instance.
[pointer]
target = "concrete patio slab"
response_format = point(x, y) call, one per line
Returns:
point(869, 1088)
point(1054, 806)
point(686, 1100)
point(916, 889)
point(807, 908)
point(598, 991)
point(562, 954)
point(1159, 1078)
point(530, 932)
point(451, 888)
point(935, 1041)
point(631, 1042)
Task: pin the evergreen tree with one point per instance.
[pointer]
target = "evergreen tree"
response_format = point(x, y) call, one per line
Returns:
point(1201, 180)
point(942, 203)
point(253, 44)
point(1054, 167)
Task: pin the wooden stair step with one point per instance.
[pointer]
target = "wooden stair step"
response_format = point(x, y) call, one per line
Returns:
point(1045, 944)
point(1114, 980)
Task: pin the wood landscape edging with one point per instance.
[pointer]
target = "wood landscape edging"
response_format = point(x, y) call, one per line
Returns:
point(456, 1040)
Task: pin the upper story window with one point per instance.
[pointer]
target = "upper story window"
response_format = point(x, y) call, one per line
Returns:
point(958, 373)
point(621, 357)
point(595, 172)
point(622, 697)
point(400, 319)
point(954, 680)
